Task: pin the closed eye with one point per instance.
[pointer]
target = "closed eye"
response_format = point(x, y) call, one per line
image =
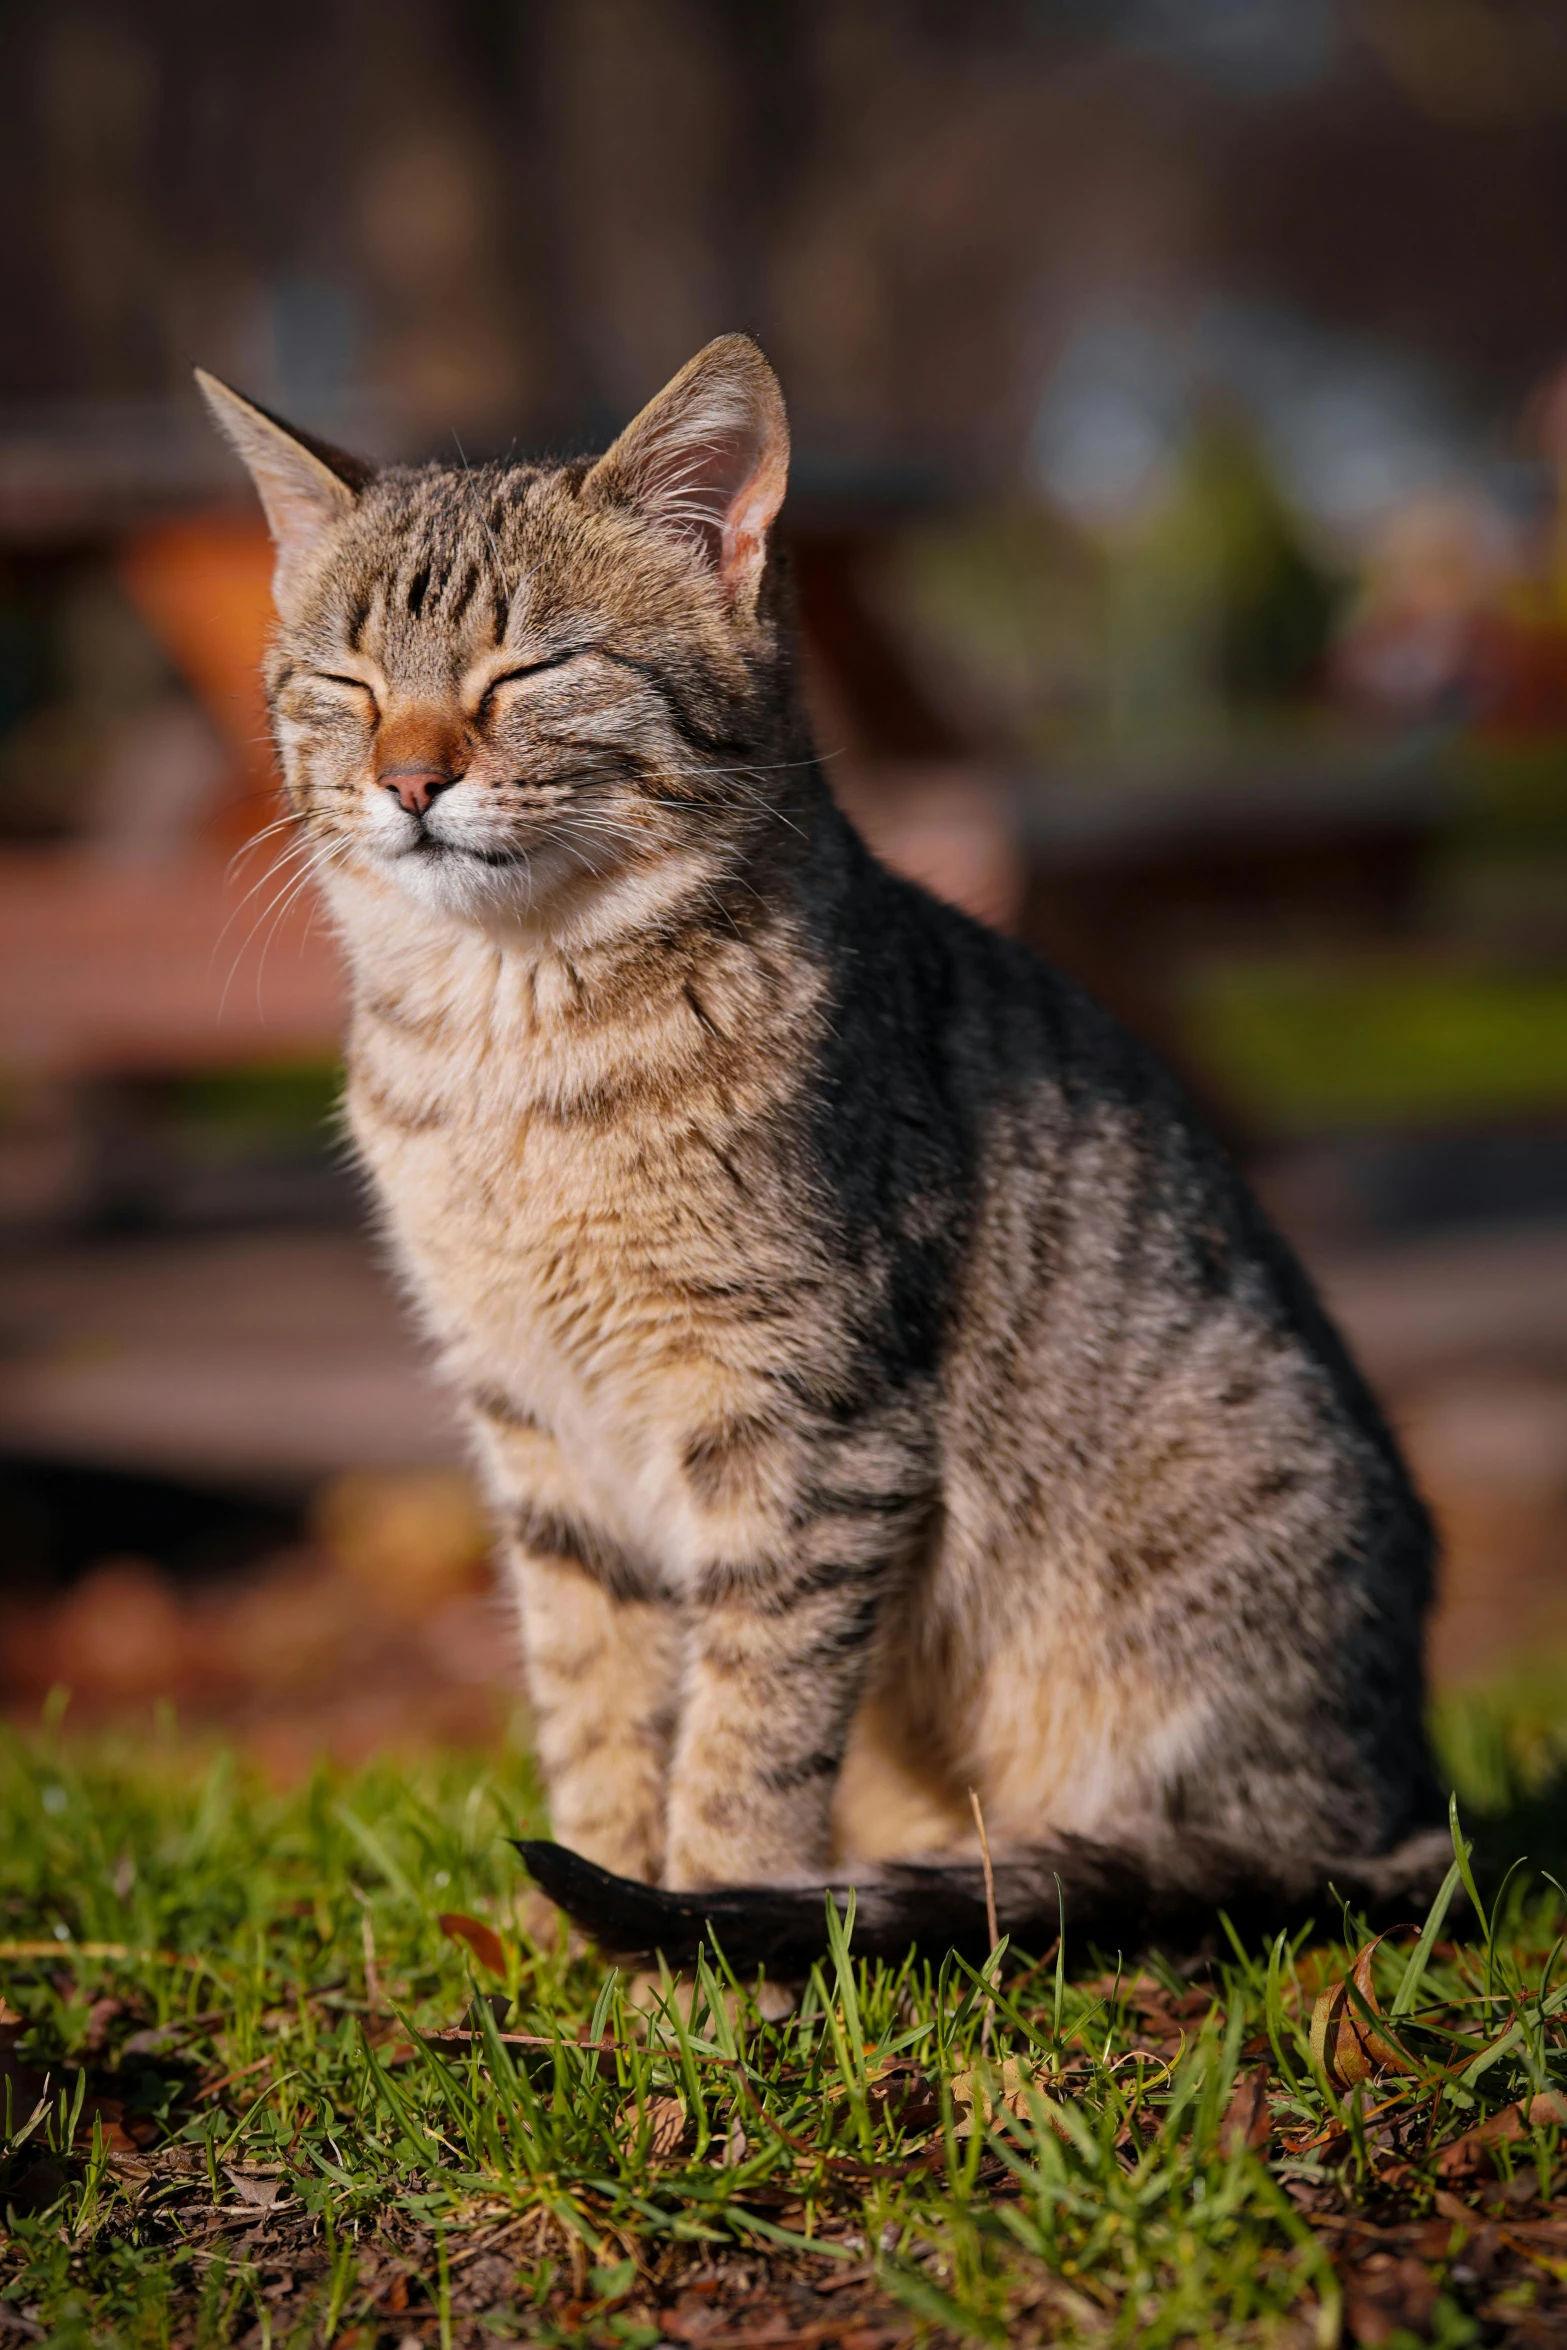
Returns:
point(355, 685)
point(527, 669)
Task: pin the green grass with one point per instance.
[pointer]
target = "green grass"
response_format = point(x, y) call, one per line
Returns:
point(223, 2122)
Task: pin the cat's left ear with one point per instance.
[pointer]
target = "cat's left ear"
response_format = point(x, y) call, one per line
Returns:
point(708, 462)
point(305, 486)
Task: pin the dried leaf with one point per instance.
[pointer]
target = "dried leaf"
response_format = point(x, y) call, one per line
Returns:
point(1344, 2041)
point(261, 2194)
point(980, 2090)
point(100, 2015)
point(1248, 2120)
point(664, 2119)
point(909, 2099)
point(1430, 2239)
point(121, 2134)
point(1472, 2152)
point(482, 1940)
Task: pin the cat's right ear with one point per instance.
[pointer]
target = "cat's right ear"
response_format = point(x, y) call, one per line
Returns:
point(707, 462)
point(305, 486)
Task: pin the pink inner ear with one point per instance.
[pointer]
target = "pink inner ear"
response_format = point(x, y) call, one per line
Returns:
point(746, 525)
point(707, 461)
point(706, 491)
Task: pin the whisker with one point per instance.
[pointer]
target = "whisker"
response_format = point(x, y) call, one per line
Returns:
point(278, 866)
point(736, 777)
point(311, 855)
point(267, 832)
point(301, 882)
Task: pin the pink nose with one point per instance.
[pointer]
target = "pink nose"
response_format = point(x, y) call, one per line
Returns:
point(415, 787)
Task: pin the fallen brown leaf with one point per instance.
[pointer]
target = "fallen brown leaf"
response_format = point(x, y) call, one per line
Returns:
point(1248, 2120)
point(1344, 2039)
point(1472, 2151)
point(260, 2193)
point(988, 2092)
point(1429, 2239)
point(482, 1940)
point(909, 2099)
point(664, 2119)
point(1449, 2208)
point(100, 2015)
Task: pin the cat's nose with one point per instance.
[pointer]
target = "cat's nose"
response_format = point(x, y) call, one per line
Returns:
point(415, 786)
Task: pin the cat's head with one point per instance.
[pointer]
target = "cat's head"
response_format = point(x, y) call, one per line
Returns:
point(508, 688)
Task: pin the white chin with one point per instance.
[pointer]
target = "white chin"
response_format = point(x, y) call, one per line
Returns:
point(523, 889)
point(455, 884)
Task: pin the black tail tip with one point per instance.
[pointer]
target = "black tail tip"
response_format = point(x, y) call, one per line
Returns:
point(557, 1870)
point(627, 1919)
point(744, 1926)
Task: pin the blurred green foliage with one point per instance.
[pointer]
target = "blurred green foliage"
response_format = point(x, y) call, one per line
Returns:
point(238, 1109)
point(1302, 1045)
point(1156, 628)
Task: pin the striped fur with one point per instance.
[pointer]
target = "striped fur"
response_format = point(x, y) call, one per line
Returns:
point(883, 1385)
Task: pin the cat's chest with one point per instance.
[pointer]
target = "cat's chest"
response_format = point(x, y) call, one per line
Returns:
point(533, 1240)
point(575, 1273)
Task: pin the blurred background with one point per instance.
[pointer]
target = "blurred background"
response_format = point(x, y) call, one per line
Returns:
point(1180, 528)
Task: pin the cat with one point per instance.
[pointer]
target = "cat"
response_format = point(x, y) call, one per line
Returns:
point(883, 1385)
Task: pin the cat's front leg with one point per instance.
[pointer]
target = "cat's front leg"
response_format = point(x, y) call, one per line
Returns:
point(764, 1720)
point(601, 1648)
point(777, 1657)
point(602, 1670)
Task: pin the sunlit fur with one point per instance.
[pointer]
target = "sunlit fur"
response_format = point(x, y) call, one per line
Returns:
point(884, 1387)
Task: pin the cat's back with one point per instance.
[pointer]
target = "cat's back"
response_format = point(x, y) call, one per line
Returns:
point(1111, 1288)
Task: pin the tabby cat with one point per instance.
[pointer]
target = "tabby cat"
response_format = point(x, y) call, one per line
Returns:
point(884, 1387)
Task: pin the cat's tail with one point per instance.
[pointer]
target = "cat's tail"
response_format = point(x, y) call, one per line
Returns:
point(1117, 1897)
